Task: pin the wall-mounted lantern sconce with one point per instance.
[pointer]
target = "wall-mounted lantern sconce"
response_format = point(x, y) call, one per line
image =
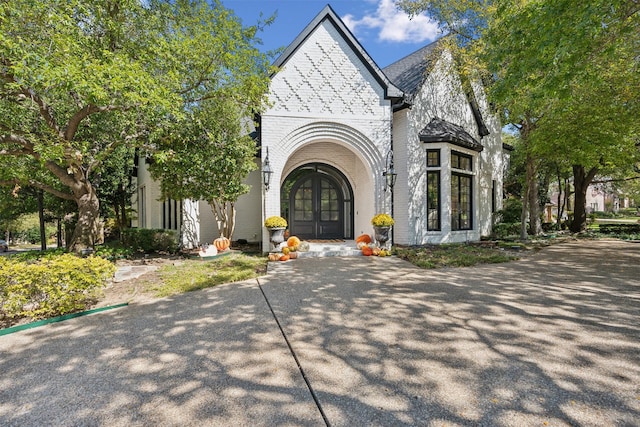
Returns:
point(389, 173)
point(266, 171)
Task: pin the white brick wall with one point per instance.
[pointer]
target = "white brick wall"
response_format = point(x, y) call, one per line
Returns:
point(442, 96)
point(328, 108)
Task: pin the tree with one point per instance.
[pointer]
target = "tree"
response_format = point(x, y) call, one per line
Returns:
point(208, 153)
point(564, 73)
point(111, 73)
point(78, 79)
point(578, 71)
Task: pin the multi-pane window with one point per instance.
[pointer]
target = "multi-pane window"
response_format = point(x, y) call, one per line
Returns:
point(303, 202)
point(433, 158)
point(461, 194)
point(433, 190)
point(461, 161)
point(329, 202)
point(433, 200)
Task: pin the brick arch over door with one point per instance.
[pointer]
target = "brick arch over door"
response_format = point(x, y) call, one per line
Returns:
point(317, 201)
point(341, 134)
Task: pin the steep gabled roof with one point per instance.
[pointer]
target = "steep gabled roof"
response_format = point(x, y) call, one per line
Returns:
point(409, 72)
point(391, 91)
point(439, 130)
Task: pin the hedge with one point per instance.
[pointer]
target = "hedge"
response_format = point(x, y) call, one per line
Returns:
point(619, 228)
point(51, 286)
point(150, 240)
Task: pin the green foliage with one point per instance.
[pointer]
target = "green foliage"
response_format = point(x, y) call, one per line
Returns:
point(113, 253)
point(511, 211)
point(622, 229)
point(506, 230)
point(111, 77)
point(208, 153)
point(564, 73)
point(453, 255)
point(198, 274)
point(34, 255)
point(150, 240)
point(51, 286)
point(26, 228)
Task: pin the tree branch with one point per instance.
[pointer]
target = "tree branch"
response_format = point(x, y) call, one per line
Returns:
point(606, 181)
point(74, 122)
point(40, 185)
point(27, 146)
point(46, 111)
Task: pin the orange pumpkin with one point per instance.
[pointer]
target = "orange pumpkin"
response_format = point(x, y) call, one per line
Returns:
point(222, 243)
point(274, 257)
point(284, 258)
point(293, 241)
point(363, 238)
point(367, 251)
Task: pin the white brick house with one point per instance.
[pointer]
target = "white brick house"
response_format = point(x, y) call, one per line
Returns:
point(335, 123)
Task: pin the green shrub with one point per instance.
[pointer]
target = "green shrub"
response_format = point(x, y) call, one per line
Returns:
point(511, 212)
point(36, 255)
point(113, 253)
point(503, 230)
point(52, 286)
point(628, 211)
point(150, 240)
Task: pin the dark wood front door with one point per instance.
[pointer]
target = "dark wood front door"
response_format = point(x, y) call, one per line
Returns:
point(316, 203)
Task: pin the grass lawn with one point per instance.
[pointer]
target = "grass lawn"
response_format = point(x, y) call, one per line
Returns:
point(193, 274)
point(455, 255)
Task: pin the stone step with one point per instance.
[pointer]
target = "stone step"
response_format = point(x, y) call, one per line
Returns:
point(341, 249)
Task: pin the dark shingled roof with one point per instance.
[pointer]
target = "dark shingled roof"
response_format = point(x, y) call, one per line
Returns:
point(408, 73)
point(439, 130)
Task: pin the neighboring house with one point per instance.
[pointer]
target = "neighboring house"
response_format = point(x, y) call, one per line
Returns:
point(336, 129)
point(601, 197)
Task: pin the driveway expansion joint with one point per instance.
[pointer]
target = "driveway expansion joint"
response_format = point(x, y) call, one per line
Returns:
point(295, 357)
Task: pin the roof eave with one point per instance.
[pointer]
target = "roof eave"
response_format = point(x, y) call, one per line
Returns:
point(391, 91)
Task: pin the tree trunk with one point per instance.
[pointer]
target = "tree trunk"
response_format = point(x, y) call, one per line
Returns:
point(581, 181)
point(535, 227)
point(59, 233)
point(87, 231)
point(225, 214)
point(524, 213)
point(43, 230)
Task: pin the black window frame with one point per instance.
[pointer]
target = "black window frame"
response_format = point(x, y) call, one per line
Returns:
point(437, 153)
point(434, 225)
point(456, 216)
point(457, 164)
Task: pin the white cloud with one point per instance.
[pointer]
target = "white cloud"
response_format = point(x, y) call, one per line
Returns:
point(394, 25)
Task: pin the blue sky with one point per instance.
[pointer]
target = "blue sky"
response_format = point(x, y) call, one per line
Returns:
point(385, 32)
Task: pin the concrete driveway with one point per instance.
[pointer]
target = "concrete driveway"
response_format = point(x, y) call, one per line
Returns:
point(550, 340)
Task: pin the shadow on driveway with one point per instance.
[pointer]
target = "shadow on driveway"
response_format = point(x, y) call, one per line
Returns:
point(553, 339)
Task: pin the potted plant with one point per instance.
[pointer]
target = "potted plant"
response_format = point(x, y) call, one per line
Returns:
point(382, 223)
point(276, 226)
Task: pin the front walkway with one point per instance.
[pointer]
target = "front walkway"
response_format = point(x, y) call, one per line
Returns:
point(550, 340)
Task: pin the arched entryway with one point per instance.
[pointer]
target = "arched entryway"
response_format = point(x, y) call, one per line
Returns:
point(317, 201)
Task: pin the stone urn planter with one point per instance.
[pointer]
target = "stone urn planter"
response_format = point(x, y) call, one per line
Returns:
point(276, 225)
point(276, 236)
point(382, 224)
point(381, 235)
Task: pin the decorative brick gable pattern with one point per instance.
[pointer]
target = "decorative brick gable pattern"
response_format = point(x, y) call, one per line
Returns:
point(325, 77)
